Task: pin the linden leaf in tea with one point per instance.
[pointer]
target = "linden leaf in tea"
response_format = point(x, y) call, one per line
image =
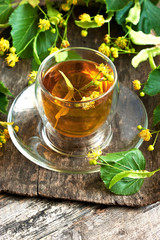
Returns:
point(63, 111)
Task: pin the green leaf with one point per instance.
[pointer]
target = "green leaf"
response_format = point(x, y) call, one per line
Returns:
point(4, 90)
point(118, 163)
point(5, 10)
point(35, 53)
point(24, 27)
point(86, 24)
point(141, 38)
point(134, 13)
point(3, 98)
point(3, 103)
point(144, 54)
point(122, 14)
point(152, 86)
point(115, 5)
point(44, 41)
point(130, 174)
point(153, 15)
point(156, 115)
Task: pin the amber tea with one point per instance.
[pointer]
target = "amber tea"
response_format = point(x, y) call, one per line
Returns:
point(78, 107)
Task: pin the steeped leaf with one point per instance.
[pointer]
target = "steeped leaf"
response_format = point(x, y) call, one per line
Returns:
point(64, 110)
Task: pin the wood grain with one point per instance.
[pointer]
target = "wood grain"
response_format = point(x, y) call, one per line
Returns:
point(37, 218)
point(20, 176)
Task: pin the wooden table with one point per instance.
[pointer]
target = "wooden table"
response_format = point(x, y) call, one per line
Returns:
point(55, 218)
point(38, 218)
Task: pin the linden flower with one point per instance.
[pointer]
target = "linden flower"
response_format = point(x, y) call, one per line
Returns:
point(12, 59)
point(121, 42)
point(90, 104)
point(65, 44)
point(12, 49)
point(6, 133)
point(107, 38)
point(114, 52)
point(55, 49)
point(74, 2)
point(145, 135)
point(32, 77)
point(85, 17)
point(44, 24)
point(106, 71)
point(103, 48)
point(84, 33)
point(93, 155)
point(4, 45)
point(65, 7)
point(99, 19)
point(16, 128)
point(136, 84)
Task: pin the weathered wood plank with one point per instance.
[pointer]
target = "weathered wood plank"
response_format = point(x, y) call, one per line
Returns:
point(32, 218)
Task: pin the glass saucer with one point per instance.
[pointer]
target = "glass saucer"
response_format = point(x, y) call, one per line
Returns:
point(29, 141)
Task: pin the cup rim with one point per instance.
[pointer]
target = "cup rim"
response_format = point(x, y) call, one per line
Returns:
point(76, 48)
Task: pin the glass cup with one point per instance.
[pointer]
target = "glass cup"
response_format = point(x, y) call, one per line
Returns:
point(76, 100)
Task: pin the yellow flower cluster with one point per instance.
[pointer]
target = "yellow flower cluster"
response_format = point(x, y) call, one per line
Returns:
point(111, 47)
point(108, 74)
point(90, 104)
point(11, 59)
point(4, 45)
point(54, 49)
point(93, 155)
point(107, 39)
point(99, 19)
point(85, 17)
point(32, 77)
point(67, 6)
point(145, 134)
point(44, 24)
point(103, 48)
point(121, 42)
point(4, 134)
point(136, 85)
point(65, 44)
